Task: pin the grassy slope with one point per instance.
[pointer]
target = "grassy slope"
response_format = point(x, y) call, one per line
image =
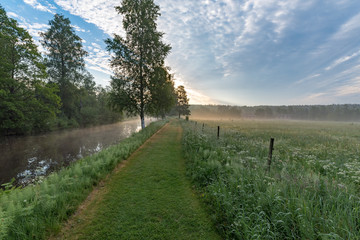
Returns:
point(150, 198)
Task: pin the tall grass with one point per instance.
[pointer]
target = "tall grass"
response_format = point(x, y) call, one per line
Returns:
point(311, 192)
point(37, 210)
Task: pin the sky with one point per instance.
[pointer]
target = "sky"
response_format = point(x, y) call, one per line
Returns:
point(232, 52)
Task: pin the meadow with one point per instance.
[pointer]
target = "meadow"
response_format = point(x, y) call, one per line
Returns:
point(310, 192)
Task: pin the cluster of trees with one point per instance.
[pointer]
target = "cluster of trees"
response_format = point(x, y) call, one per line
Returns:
point(342, 112)
point(141, 83)
point(27, 103)
point(42, 93)
point(83, 103)
point(182, 105)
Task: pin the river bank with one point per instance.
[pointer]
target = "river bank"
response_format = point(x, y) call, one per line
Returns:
point(30, 158)
point(37, 210)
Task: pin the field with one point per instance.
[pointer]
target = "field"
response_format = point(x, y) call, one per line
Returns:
point(310, 192)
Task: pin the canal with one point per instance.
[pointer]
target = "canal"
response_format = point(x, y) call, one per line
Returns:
point(26, 158)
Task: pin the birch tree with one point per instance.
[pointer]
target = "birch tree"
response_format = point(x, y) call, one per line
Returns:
point(136, 57)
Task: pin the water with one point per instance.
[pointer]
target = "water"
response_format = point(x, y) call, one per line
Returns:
point(27, 158)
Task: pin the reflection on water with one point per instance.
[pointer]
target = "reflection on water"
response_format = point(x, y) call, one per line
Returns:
point(27, 158)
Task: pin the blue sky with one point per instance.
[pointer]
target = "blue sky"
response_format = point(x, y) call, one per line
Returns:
point(237, 52)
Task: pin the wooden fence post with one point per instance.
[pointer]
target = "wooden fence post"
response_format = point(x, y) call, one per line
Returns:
point(218, 133)
point(203, 127)
point(271, 148)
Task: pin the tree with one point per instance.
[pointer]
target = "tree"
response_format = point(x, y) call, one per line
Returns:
point(163, 97)
point(27, 103)
point(136, 57)
point(182, 105)
point(65, 62)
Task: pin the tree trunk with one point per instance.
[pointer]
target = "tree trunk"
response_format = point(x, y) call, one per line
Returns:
point(142, 105)
point(142, 118)
point(13, 62)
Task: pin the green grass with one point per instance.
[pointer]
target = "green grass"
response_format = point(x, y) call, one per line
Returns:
point(37, 211)
point(150, 198)
point(311, 192)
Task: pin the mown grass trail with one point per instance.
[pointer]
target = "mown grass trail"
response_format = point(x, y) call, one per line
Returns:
point(149, 198)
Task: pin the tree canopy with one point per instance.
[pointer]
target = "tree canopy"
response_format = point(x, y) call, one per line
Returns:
point(182, 105)
point(65, 62)
point(27, 103)
point(163, 96)
point(137, 59)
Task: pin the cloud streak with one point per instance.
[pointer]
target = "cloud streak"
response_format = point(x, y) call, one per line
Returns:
point(45, 8)
point(342, 60)
point(351, 88)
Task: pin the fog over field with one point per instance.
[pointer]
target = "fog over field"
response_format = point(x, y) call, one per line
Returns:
point(346, 112)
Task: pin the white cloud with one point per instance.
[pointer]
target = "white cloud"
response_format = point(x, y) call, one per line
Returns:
point(34, 28)
point(13, 15)
point(352, 87)
point(335, 88)
point(98, 60)
point(214, 33)
point(346, 32)
point(258, 14)
point(333, 80)
point(78, 29)
point(342, 60)
point(99, 12)
point(211, 34)
point(348, 28)
point(96, 45)
point(308, 78)
point(35, 4)
point(215, 41)
point(200, 33)
point(348, 90)
point(317, 98)
point(226, 26)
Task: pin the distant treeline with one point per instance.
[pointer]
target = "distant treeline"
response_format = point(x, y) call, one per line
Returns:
point(342, 112)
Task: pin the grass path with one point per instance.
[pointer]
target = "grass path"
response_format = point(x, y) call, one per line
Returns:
point(149, 198)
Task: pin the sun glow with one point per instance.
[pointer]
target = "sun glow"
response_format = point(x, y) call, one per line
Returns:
point(195, 97)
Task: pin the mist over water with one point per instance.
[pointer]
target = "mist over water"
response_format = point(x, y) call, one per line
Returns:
point(27, 157)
